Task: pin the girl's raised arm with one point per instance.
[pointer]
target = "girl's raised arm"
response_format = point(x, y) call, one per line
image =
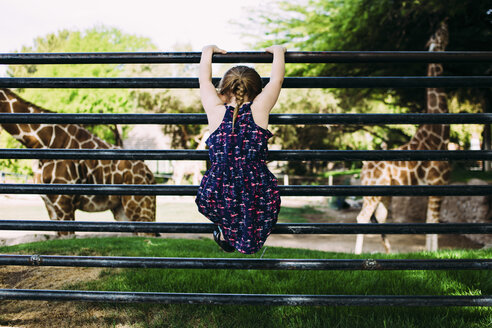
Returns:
point(268, 97)
point(208, 93)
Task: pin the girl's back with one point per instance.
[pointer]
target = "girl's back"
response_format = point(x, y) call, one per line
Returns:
point(238, 193)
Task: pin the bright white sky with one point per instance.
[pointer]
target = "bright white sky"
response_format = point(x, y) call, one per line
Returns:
point(165, 22)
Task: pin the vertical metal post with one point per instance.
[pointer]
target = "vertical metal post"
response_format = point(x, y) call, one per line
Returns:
point(486, 135)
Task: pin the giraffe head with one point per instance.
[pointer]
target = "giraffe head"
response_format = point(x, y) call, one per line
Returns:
point(439, 40)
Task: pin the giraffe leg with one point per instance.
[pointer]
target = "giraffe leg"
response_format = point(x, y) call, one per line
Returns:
point(368, 207)
point(381, 215)
point(433, 209)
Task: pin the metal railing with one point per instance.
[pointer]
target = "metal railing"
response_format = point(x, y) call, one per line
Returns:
point(263, 264)
point(245, 57)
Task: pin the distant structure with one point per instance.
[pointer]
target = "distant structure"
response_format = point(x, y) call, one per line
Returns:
point(152, 137)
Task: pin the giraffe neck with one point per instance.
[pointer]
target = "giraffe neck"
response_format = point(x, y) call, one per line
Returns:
point(24, 133)
point(44, 135)
point(436, 97)
point(434, 136)
point(437, 101)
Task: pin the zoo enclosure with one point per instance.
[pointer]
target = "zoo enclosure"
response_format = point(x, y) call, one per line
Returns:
point(200, 263)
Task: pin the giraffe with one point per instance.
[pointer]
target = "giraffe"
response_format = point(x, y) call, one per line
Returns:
point(73, 136)
point(427, 137)
point(190, 167)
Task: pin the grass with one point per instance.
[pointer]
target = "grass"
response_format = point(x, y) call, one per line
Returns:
point(459, 174)
point(338, 173)
point(297, 214)
point(275, 282)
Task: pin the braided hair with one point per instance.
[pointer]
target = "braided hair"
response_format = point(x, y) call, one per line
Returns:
point(241, 82)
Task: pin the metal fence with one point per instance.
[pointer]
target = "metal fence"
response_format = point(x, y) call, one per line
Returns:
point(291, 155)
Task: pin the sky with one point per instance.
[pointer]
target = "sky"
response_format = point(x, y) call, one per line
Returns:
point(197, 22)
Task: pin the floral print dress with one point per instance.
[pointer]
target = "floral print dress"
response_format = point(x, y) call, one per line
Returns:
point(238, 192)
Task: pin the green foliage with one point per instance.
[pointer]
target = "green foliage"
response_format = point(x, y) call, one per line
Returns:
point(13, 165)
point(97, 39)
point(327, 136)
point(183, 136)
point(364, 25)
point(105, 39)
point(460, 174)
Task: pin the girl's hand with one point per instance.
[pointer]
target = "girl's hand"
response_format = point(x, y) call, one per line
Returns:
point(214, 49)
point(276, 48)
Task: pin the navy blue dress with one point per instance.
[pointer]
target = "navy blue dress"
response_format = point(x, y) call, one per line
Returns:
point(238, 192)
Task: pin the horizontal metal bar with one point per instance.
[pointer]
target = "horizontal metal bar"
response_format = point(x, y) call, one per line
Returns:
point(369, 119)
point(279, 228)
point(245, 57)
point(296, 190)
point(273, 155)
point(243, 264)
point(289, 82)
point(242, 299)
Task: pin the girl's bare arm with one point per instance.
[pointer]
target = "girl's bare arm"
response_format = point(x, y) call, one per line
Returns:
point(268, 97)
point(208, 93)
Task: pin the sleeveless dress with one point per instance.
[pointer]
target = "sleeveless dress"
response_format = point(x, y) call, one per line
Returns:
point(238, 192)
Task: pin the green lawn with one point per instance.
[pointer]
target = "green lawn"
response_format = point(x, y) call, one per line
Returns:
point(275, 282)
point(459, 174)
point(297, 214)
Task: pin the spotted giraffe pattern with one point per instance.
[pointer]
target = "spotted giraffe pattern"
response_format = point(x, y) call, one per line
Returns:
point(72, 136)
point(427, 137)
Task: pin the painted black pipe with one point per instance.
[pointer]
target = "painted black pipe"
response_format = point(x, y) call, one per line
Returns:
point(244, 264)
point(243, 299)
point(316, 119)
point(295, 190)
point(245, 57)
point(289, 82)
point(273, 155)
point(279, 228)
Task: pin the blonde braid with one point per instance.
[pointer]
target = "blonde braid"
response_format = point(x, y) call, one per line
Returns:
point(240, 82)
point(239, 93)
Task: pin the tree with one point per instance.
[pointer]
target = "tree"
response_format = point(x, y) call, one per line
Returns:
point(364, 25)
point(181, 101)
point(97, 39)
point(321, 25)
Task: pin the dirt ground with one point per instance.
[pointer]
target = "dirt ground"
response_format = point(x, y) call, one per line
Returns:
point(72, 314)
point(43, 313)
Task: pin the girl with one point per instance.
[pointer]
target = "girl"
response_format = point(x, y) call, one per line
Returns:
point(238, 193)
